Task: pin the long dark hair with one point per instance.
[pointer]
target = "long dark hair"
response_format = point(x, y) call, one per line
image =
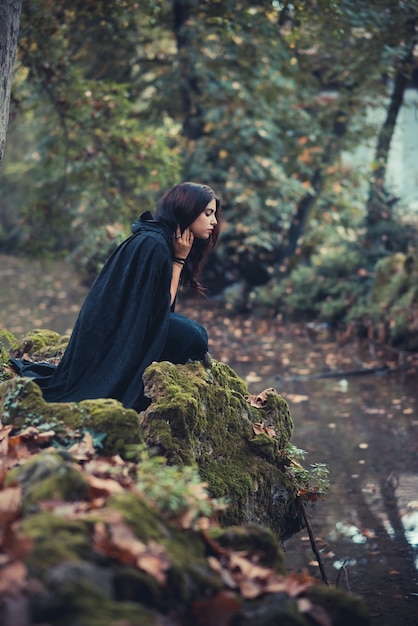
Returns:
point(182, 204)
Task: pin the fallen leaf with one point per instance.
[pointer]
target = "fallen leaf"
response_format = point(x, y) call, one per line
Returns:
point(217, 610)
point(10, 505)
point(118, 541)
point(154, 561)
point(29, 433)
point(260, 427)
point(84, 449)
point(261, 399)
point(103, 486)
point(15, 544)
point(296, 398)
point(12, 578)
point(44, 437)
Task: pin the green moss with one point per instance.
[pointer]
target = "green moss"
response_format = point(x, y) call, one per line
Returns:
point(78, 603)
point(344, 609)
point(190, 575)
point(42, 343)
point(49, 476)
point(8, 343)
point(22, 404)
point(141, 517)
point(252, 538)
point(133, 585)
point(265, 446)
point(55, 540)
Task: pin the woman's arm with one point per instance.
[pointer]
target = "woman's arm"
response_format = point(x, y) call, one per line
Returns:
point(182, 245)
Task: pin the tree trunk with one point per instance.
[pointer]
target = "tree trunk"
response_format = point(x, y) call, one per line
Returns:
point(189, 80)
point(307, 204)
point(9, 30)
point(377, 203)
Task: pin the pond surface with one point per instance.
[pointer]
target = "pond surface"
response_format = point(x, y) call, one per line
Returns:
point(365, 427)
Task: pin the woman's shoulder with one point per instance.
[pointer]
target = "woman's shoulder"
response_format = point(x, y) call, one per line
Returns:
point(147, 226)
point(145, 219)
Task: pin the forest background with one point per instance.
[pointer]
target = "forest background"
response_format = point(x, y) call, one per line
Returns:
point(115, 101)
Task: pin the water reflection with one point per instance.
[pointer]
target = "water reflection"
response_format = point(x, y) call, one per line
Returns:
point(366, 430)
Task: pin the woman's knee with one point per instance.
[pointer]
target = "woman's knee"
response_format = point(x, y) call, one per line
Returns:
point(186, 340)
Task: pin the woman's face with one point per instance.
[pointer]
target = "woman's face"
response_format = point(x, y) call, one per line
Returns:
point(203, 225)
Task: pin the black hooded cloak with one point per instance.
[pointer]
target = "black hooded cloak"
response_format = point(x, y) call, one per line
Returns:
point(122, 326)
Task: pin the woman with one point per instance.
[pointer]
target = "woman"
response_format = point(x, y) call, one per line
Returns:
point(127, 320)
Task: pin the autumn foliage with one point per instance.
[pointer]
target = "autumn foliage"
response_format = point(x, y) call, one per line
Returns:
point(235, 577)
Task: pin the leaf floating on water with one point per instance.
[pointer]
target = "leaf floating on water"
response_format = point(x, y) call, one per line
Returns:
point(296, 398)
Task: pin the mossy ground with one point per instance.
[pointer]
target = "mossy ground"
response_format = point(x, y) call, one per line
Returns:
point(22, 405)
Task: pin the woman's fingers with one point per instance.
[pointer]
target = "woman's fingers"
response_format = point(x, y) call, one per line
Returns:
point(183, 242)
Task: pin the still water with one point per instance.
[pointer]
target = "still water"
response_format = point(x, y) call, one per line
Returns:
point(366, 529)
point(364, 427)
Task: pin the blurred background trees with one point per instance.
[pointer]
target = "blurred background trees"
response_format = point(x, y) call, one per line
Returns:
point(271, 103)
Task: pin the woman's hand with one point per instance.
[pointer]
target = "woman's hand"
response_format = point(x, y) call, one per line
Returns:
point(182, 243)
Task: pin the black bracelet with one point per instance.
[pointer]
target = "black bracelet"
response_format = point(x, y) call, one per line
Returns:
point(177, 259)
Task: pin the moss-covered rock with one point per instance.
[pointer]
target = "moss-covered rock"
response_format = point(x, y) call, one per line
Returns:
point(42, 344)
point(50, 476)
point(8, 345)
point(201, 417)
point(22, 404)
point(198, 417)
point(78, 578)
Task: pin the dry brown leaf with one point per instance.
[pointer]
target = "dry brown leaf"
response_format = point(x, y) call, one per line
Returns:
point(295, 584)
point(103, 486)
point(28, 433)
point(4, 441)
point(214, 564)
point(10, 505)
point(261, 427)
point(70, 510)
point(237, 570)
point(261, 400)
point(45, 437)
point(243, 567)
point(84, 449)
point(217, 610)
point(154, 561)
point(15, 545)
point(119, 542)
point(12, 578)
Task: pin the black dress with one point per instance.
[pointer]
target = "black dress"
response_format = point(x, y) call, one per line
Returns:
point(124, 325)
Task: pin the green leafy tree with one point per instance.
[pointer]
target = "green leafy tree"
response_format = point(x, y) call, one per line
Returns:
point(95, 163)
point(259, 99)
